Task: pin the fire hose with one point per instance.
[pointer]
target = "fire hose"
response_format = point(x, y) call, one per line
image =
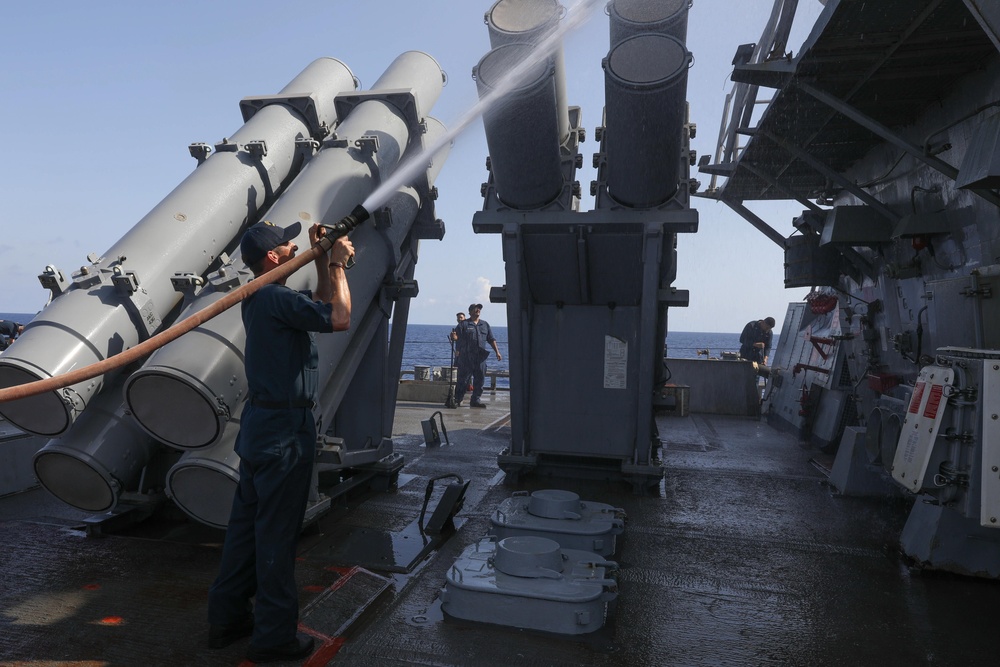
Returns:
point(150, 345)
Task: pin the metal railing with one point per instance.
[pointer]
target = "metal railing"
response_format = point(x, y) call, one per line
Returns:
point(742, 99)
point(490, 384)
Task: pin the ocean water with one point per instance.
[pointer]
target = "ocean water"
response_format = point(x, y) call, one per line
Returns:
point(23, 318)
point(428, 345)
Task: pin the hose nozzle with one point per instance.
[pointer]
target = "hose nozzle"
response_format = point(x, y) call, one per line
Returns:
point(347, 224)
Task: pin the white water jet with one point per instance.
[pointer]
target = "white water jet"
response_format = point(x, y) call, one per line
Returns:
point(407, 170)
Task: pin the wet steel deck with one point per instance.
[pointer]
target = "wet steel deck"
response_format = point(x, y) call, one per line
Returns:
point(746, 557)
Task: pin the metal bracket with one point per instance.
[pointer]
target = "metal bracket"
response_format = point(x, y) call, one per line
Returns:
point(225, 147)
point(141, 305)
point(186, 283)
point(305, 105)
point(307, 147)
point(431, 230)
point(816, 342)
point(87, 277)
point(200, 151)
point(367, 144)
point(770, 74)
point(333, 141)
point(126, 282)
point(674, 298)
point(984, 292)
point(403, 99)
point(53, 280)
point(498, 294)
point(449, 504)
point(256, 149)
point(227, 278)
point(401, 289)
point(432, 437)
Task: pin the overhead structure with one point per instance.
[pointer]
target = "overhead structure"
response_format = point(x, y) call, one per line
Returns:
point(892, 358)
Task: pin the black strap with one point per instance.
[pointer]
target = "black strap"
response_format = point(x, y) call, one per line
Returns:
point(280, 405)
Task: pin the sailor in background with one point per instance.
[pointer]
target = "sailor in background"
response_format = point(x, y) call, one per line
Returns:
point(471, 352)
point(755, 341)
point(9, 330)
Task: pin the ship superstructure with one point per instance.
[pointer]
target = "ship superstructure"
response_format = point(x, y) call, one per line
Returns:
point(885, 127)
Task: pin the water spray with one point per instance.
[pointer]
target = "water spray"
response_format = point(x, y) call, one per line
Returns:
point(575, 17)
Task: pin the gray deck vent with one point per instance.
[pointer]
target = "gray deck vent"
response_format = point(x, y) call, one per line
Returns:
point(560, 516)
point(530, 582)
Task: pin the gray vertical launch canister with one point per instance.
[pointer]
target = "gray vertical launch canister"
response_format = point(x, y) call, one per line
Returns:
point(101, 456)
point(522, 130)
point(531, 22)
point(645, 87)
point(186, 391)
point(633, 17)
point(203, 482)
point(123, 297)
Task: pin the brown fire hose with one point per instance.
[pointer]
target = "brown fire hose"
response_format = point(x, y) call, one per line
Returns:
point(133, 354)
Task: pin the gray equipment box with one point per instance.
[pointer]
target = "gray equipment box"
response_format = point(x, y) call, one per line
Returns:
point(560, 516)
point(529, 582)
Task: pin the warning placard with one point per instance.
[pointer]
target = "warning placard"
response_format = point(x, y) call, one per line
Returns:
point(615, 363)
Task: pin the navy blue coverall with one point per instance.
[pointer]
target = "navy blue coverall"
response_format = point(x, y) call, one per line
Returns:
point(277, 447)
point(754, 333)
point(473, 348)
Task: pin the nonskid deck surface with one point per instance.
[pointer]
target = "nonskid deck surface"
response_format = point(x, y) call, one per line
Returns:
point(745, 557)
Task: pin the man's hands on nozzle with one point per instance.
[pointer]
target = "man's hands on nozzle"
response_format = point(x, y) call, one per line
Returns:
point(342, 250)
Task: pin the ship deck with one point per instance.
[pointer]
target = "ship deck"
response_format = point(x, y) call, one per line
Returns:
point(746, 556)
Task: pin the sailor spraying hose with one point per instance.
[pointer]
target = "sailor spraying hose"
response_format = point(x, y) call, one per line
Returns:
point(133, 354)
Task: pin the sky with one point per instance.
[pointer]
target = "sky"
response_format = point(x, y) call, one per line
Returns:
point(101, 99)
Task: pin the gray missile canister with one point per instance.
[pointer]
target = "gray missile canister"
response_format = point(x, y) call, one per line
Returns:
point(633, 17)
point(202, 372)
point(531, 22)
point(645, 92)
point(100, 457)
point(203, 482)
point(522, 129)
point(122, 297)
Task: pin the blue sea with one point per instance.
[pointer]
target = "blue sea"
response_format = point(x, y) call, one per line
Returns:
point(428, 345)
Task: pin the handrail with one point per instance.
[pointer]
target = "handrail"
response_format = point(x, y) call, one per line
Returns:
point(740, 102)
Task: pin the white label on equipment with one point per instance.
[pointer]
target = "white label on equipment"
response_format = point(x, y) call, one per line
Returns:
point(615, 363)
point(990, 511)
point(920, 427)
